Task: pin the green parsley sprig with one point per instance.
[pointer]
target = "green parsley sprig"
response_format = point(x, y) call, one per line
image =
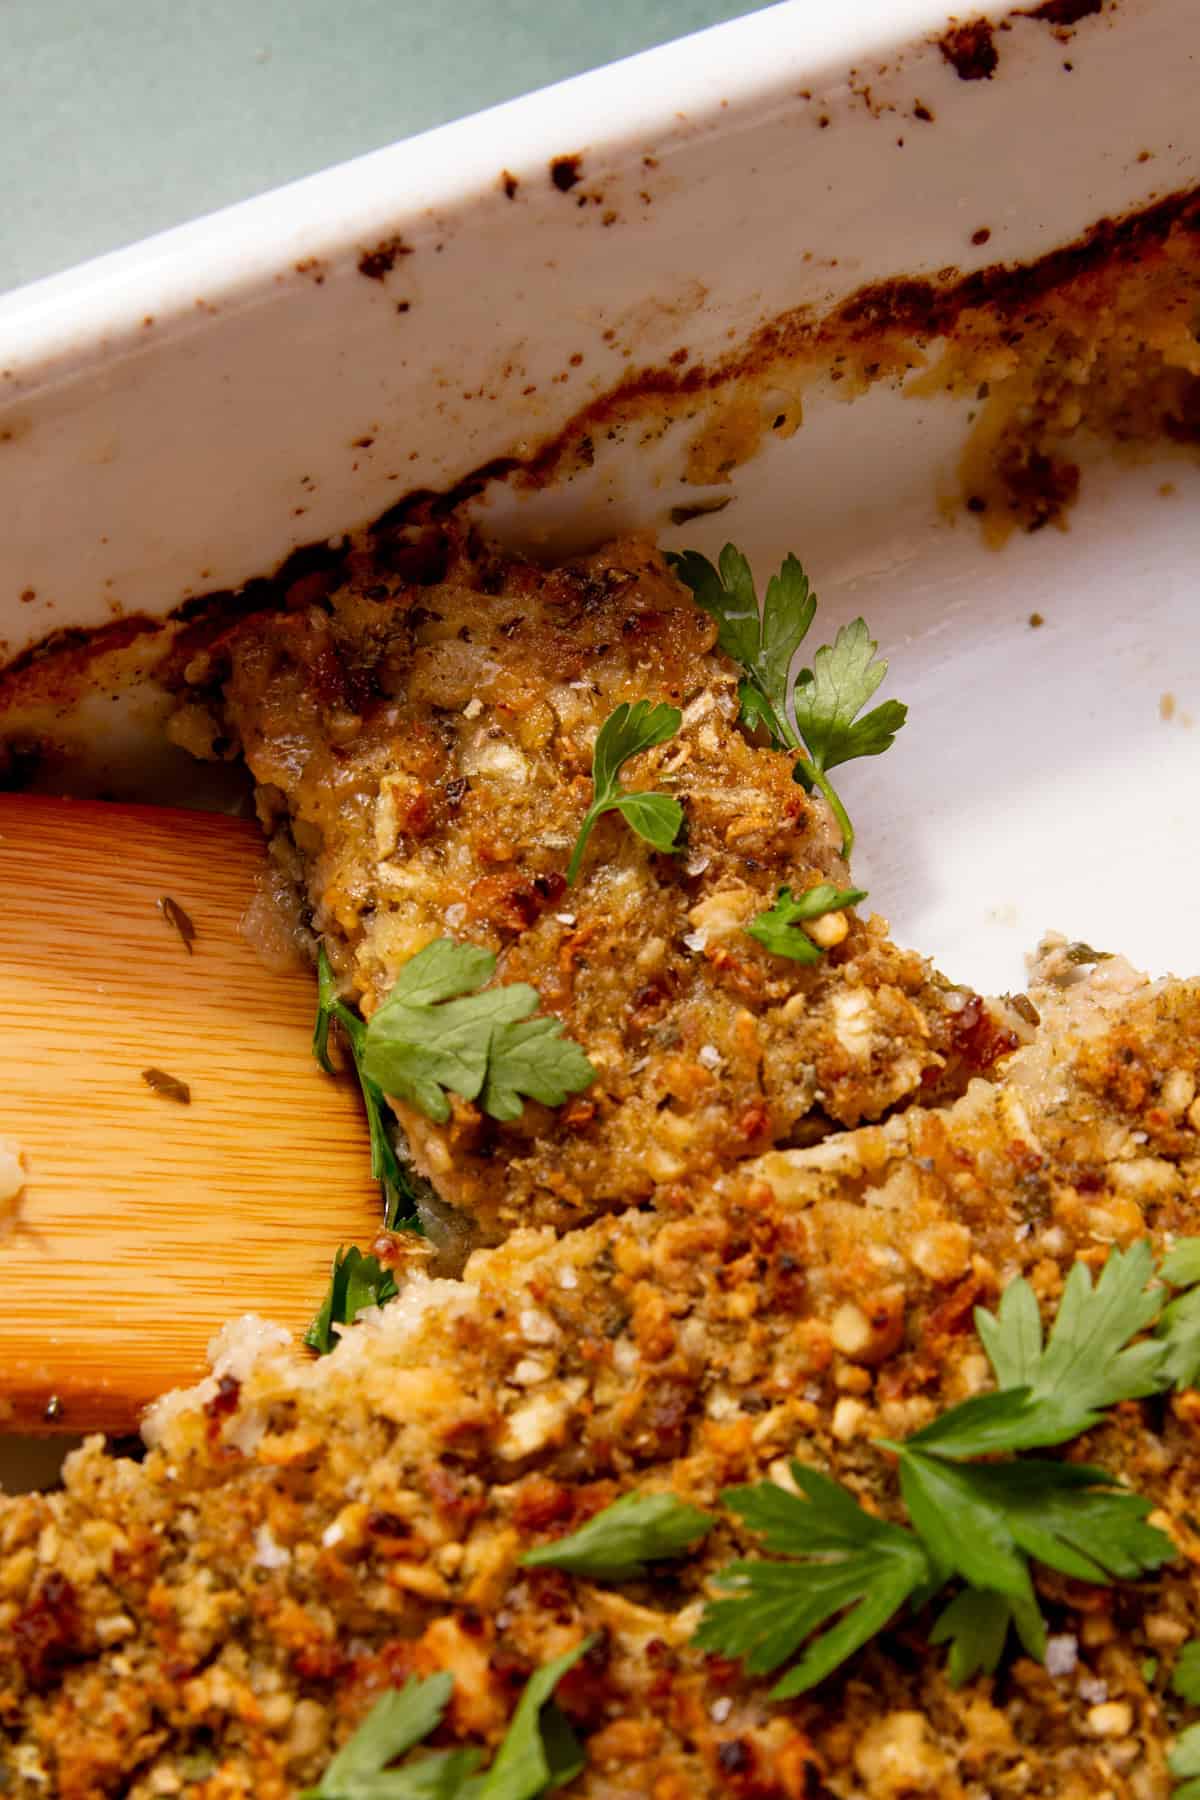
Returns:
point(780, 928)
point(627, 731)
point(979, 1523)
point(397, 1722)
point(358, 1280)
point(1185, 1676)
point(1184, 1758)
point(399, 1195)
point(841, 1564)
point(1179, 1326)
point(618, 1543)
point(1051, 1392)
point(815, 711)
point(836, 1574)
point(1184, 1764)
point(539, 1751)
point(434, 1036)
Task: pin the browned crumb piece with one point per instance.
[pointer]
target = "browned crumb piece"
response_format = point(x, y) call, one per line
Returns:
point(428, 749)
point(216, 1620)
point(1110, 353)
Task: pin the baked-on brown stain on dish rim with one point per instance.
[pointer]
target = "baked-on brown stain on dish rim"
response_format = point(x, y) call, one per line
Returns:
point(970, 49)
point(916, 308)
point(377, 264)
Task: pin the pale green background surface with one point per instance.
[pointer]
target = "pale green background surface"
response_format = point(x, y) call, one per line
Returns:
point(121, 117)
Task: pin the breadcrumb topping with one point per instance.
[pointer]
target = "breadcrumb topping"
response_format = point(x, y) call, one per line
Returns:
point(214, 1621)
point(423, 757)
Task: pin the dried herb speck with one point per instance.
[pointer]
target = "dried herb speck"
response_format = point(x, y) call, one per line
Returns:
point(169, 1086)
point(1080, 954)
point(178, 920)
point(682, 515)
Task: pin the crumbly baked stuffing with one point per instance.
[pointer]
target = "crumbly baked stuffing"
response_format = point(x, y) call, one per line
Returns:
point(212, 1621)
point(423, 757)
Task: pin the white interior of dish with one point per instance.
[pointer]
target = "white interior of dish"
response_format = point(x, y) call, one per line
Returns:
point(1038, 784)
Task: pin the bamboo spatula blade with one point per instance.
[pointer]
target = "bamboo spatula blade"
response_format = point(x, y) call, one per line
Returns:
point(146, 1224)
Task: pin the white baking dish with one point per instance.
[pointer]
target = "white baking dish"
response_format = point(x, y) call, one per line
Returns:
point(178, 417)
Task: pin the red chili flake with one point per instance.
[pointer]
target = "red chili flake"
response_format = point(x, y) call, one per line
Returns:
point(550, 887)
point(789, 1284)
point(45, 1633)
point(450, 1497)
point(225, 1400)
point(388, 1524)
point(542, 1502)
point(753, 1122)
point(976, 1037)
point(954, 1314)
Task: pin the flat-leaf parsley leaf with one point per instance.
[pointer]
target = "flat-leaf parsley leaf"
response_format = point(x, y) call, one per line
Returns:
point(763, 644)
point(984, 1521)
point(358, 1280)
point(979, 1522)
point(1179, 1327)
point(399, 1196)
point(539, 1751)
point(975, 1625)
point(426, 1040)
point(1049, 1395)
point(828, 700)
point(619, 1542)
point(396, 1722)
point(627, 731)
point(813, 711)
point(781, 927)
point(842, 1561)
point(1184, 1763)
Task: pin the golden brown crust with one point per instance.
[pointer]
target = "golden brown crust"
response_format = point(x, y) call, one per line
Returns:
point(429, 751)
point(211, 1622)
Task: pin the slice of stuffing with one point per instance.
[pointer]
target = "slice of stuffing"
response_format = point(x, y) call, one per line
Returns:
point(214, 1621)
point(423, 756)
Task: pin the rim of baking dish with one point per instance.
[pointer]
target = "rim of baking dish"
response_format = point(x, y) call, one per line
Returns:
point(719, 79)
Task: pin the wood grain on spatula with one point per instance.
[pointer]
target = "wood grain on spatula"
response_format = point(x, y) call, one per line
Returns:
point(146, 1224)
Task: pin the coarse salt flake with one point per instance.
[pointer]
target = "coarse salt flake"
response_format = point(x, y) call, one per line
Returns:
point(1062, 1653)
point(269, 1554)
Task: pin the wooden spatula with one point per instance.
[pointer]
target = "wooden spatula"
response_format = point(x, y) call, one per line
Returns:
point(145, 1223)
